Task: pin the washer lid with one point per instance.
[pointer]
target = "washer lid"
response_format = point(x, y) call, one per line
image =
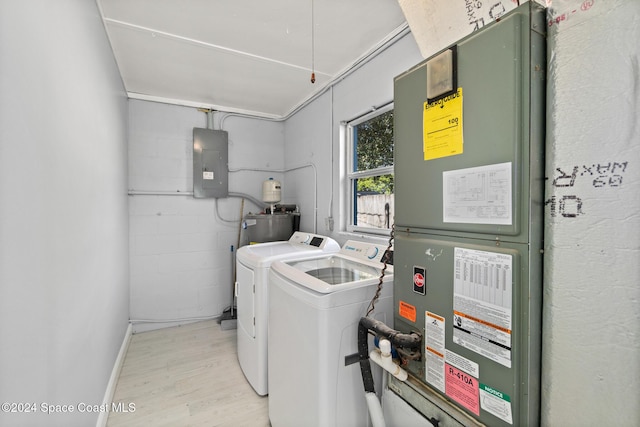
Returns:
point(328, 274)
point(300, 244)
point(262, 254)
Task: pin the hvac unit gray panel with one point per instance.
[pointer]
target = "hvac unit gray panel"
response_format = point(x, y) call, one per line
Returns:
point(509, 365)
point(472, 285)
point(210, 163)
point(501, 72)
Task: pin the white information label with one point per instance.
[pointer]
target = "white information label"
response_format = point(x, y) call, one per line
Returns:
point(434, 350)
point(207, 175)
point(482, 307)
point(462, 363)
point(480, 195)
point(495, 402)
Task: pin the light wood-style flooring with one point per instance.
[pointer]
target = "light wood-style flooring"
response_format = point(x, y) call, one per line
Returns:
point(186, 376)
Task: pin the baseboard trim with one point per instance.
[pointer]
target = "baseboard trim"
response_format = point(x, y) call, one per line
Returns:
point(113, 380)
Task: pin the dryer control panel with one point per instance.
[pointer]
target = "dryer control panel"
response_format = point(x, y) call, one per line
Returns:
point(367, 251)
point(310, 239)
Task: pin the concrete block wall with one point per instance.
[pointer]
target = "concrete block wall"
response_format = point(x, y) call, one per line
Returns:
point(181, 258)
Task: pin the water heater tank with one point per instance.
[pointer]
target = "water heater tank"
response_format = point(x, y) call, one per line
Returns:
point(271, 191)
point(269, 227)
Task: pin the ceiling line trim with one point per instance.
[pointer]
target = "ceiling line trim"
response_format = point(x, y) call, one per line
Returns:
point(196, 104)
point(399, 33)
point(209, 45)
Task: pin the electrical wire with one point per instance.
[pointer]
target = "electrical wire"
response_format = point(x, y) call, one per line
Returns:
point(372, 304)
point(313, 67)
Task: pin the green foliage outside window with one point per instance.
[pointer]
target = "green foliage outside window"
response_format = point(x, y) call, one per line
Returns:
point(376, 184)
point(374, 149)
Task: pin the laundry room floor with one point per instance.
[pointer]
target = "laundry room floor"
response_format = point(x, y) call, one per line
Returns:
point(186, 376)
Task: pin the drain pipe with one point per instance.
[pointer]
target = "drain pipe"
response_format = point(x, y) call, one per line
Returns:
point(411, 341)
point(383, 358)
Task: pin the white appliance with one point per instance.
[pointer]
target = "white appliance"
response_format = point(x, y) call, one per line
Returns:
point(398, 412)
point(252, 297)
point(314, 310)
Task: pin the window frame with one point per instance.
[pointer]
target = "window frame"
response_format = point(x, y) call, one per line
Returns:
point(352, 176)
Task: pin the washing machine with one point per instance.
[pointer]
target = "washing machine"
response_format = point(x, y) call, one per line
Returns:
point(252, 297)
point(315, 306)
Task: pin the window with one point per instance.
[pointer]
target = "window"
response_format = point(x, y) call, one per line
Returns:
point(370, 172)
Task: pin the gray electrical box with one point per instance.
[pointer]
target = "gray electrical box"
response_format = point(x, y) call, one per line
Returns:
point(210, 163)
point(469, 175)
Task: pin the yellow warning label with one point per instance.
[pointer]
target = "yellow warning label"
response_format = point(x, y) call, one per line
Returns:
point(442, 127)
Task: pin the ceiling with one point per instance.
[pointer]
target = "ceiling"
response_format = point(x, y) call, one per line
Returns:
point(249, 56)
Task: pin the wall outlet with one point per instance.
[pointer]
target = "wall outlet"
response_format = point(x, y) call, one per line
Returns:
point(328, 223)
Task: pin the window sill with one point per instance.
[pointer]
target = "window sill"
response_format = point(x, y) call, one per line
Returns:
point(381, 237)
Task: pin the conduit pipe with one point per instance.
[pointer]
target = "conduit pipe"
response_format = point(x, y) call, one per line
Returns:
point(382, 357)
point(159, 193)
point(411, 341)
point(375, 410)
point(255, 201)
point(315, 184)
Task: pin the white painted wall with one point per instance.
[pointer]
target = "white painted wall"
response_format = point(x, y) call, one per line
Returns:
point(591, 348)
point(64, 301)
point(314, 134)
point(181, 258)
point(308, 142)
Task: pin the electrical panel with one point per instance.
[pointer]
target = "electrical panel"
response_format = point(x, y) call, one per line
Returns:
point(469, 187)
point(210, 163)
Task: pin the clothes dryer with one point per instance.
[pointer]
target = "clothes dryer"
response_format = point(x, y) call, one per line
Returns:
point(252, 297)
point(314, 310)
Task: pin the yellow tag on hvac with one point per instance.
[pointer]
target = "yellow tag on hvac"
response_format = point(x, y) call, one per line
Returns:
point(442, 127)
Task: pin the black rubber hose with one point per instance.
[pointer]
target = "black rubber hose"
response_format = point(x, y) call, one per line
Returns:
point(397, 338)
point(363, 356)
point(411, 341)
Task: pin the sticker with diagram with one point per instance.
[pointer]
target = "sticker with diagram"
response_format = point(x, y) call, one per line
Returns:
point(478, 195)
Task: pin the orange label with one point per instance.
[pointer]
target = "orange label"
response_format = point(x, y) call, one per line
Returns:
point(407, 311)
